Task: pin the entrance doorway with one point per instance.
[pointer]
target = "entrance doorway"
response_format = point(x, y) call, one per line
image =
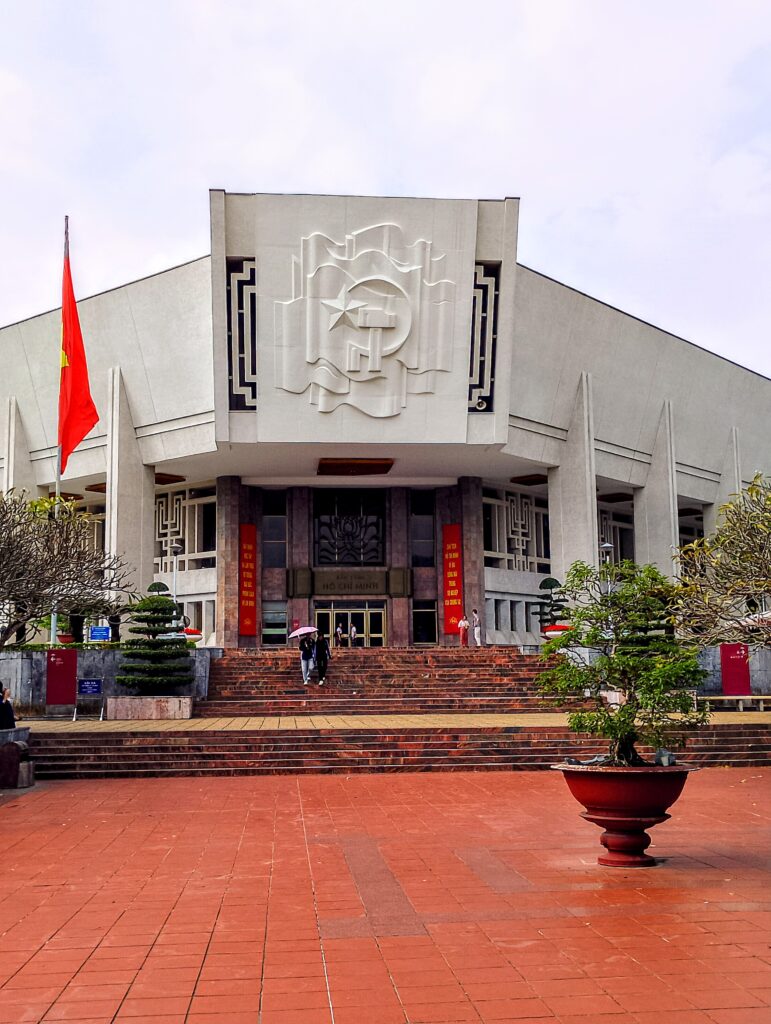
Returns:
point(368, 618)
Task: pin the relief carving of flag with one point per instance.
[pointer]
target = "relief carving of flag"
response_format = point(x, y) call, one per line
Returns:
point(77, 412)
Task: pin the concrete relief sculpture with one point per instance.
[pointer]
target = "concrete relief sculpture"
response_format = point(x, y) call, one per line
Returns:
point(370, 322)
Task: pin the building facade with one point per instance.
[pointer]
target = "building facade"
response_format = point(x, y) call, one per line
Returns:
point(361, 411)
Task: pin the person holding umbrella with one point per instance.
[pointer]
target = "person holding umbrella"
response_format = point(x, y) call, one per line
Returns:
point(307, 648)
point(307, 636)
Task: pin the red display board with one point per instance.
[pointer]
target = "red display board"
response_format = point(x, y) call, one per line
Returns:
point(61, 676)
point(452, 572)
point(735, 669)
point(247, 580)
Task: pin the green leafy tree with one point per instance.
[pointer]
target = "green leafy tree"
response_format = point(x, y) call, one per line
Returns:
point(725, 579)
point(156, 658)
point(621, 654)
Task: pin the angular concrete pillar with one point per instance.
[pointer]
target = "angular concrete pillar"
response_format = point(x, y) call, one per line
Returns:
point(19, 471)
point(573, 490)
point(130, 519)
point(730, 481)
point(656, 531)
point(473, 546)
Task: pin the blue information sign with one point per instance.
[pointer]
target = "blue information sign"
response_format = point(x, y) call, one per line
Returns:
point(99, 633)
point(89, 687)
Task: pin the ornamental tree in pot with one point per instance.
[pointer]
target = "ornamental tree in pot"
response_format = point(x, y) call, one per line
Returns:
point(621, 655)
point(156, 660)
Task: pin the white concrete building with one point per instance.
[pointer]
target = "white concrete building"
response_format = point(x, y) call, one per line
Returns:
point(347, 385)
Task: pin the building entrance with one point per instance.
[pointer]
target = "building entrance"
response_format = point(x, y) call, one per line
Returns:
point(368, 618)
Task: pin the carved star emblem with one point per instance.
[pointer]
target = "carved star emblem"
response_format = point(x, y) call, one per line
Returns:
point(341, 309)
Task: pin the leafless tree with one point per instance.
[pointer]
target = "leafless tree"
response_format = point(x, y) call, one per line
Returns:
point(725, 595)
point(48, 562)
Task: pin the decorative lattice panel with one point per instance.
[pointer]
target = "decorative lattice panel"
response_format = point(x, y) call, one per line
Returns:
point(242, 333)
point(521, 528)
point(170, 519)
point(484, 328)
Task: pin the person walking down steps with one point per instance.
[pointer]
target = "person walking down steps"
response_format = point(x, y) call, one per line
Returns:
point(306, 656)
point(322, 654)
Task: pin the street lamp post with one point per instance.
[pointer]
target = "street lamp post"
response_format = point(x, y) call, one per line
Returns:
point(176, 551)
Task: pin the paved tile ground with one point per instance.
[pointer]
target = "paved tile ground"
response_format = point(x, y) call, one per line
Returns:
point(311, 721)
point(429, 899)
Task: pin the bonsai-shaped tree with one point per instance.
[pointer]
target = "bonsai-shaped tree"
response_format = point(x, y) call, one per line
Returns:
point(725, 594)
point(158, 659)
point(621, 653)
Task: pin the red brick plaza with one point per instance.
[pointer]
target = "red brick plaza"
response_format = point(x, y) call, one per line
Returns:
point(379, 899)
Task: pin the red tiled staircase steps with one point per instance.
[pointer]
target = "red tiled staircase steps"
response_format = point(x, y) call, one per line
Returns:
point(376, 680)
point(248, 752)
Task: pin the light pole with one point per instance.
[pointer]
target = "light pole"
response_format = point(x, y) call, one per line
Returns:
point(176, 551)
point(606, 550)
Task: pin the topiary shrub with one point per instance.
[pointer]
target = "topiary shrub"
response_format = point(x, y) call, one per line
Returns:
point(157, 660)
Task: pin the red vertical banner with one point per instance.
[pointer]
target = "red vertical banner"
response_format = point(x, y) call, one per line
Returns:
point(247, 580)
point(452, 571)
point(735, 669)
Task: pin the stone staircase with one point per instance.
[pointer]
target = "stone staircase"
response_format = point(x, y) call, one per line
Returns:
point(259, 719)
point(281, 751)
point(377, 681)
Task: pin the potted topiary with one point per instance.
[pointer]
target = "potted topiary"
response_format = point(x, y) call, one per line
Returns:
point(156, 661)
point(620, 654)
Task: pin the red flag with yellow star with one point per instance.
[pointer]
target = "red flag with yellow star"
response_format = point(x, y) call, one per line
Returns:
point(77, 412)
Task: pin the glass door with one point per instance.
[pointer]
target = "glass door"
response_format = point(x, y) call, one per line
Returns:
point(376, 631)
point(336, 621)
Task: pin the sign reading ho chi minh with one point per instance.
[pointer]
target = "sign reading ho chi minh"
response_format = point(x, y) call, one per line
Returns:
point(452, 571)
point(247, 580)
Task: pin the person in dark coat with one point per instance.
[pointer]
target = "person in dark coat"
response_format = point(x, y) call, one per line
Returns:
point(7, 717)
point(322, 656)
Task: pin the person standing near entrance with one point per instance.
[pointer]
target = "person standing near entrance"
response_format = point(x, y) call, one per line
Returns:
point(352, 635)
point(322, 655)
point(463, 626)
point(476, 627)
point(339, 635)
point(306, 656)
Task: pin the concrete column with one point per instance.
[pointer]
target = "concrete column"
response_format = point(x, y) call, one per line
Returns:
point(130, 494)
point(399, 558)
point(730, 481)
point(228, 519)
point(19, 471)
point(473, 545)
point(656, 531)
point(573, 490)
point(299, 543)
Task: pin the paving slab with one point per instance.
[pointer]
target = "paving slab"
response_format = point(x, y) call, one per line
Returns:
point(369, 899)
point(311, 721)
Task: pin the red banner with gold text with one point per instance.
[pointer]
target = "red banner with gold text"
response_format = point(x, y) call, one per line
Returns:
point(247, 580)
point(452, 571)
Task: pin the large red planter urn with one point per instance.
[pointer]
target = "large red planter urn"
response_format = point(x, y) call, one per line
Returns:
point(625, 802)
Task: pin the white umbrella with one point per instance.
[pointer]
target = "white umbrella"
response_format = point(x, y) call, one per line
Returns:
point(302, 631)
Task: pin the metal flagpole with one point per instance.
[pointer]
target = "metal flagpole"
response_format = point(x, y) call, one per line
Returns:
point(58, 487)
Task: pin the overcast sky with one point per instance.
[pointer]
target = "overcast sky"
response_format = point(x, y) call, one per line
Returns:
point(637, 135)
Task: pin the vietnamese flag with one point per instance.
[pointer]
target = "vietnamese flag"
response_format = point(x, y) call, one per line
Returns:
point(77, 412)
